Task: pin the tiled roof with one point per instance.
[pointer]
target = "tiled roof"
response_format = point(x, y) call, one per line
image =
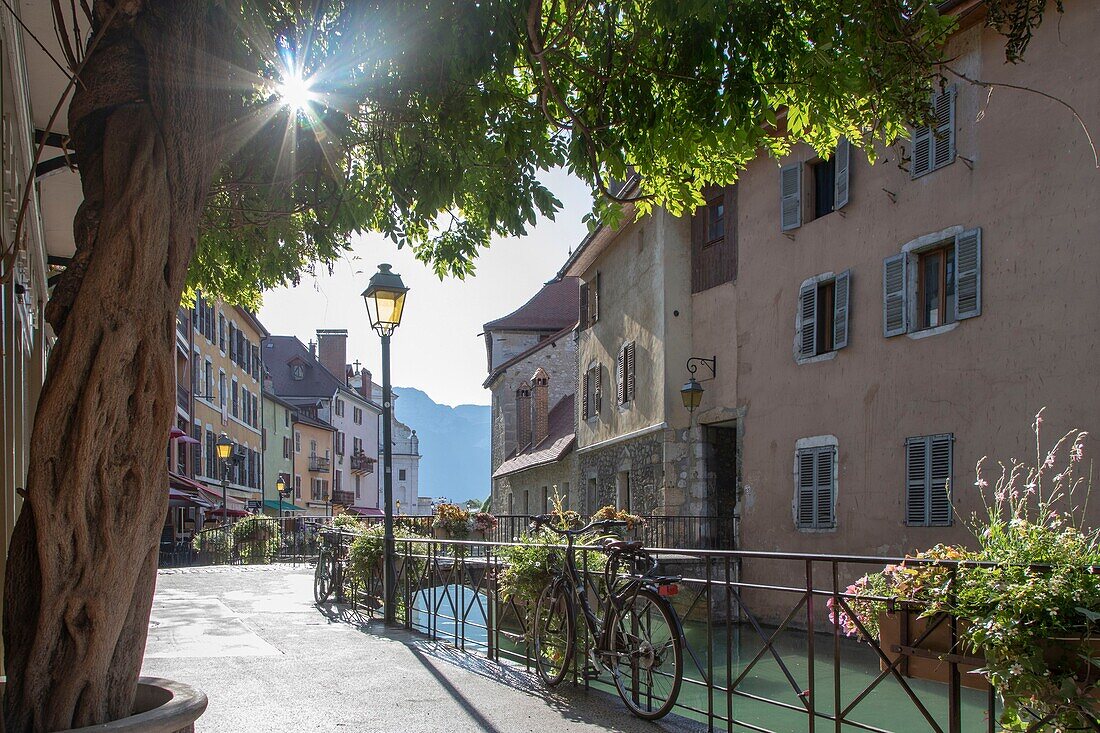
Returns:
point(552, 309)
point(558, 442)
point(278, 352)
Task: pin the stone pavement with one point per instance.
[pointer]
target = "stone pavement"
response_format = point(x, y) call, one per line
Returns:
point(251, 638)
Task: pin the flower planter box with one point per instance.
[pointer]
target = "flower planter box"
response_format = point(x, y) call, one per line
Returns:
point(474, 535)
point(931, 658)
point(160, 706)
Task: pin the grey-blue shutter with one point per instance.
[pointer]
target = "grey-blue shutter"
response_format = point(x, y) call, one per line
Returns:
point(807, 310)
point(968, 274)
point(943, 134)
point(894, 284)
point(806, 485)
point(620, 376)
point(790, 196)
point(939, 480)
point(841, 175)
point(921, 151)
point(585, 412)
point(916, 480)
point(841, 297)
point(823, 479)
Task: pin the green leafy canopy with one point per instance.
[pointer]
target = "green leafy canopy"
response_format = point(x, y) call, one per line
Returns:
point(432, 121)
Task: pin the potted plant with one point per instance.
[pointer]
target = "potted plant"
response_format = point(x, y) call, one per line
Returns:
point(634, 524)
point(451, 522)
point(1026, 597)
point(481, 524)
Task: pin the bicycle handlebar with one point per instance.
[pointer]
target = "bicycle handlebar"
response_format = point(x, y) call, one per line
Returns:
point(547, 520)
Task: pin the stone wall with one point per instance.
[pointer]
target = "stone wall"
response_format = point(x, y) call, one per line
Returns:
point(527, 488)
point(656, 465)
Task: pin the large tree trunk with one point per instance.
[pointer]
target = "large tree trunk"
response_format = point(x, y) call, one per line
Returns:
point(82, 565)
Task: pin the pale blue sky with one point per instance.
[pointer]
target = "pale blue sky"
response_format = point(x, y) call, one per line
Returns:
point(437, 348)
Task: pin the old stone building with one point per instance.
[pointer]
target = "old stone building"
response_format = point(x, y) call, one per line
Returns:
point(531, 356)
point(633, 344)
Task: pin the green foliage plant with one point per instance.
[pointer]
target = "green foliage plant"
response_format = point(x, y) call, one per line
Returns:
point(255, 540)
point(1029, 589)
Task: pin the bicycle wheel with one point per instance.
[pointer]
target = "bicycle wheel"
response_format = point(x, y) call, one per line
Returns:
point(553, 634)
point(647, 653)
point(322, 579)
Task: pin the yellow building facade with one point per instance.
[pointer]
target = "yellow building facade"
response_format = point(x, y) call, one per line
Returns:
point(313, 449)
point(226, 375)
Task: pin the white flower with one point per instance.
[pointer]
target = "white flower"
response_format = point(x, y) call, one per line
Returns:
point(1016, 669)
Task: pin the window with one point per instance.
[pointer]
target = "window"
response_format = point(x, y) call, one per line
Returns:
point(339, 443)
point(209, 391)
point(255, 410)
point(196, 458)
point(297, 372)
point(313, 447)
point(356, 486)
point(356, 415)
point(286, 447)
point(590, 392)
point(714, 239)
point(286, 418)
point(829, 182)
point(928, 480)
point(815, 487)
point(401, 474)
point(297, 442)
point(946, 287)
point(822, 319)
point(624, 374)
point(590, 302)
point(233, 343)
point(221, 390)
point(339, 407)
point(622, 491)
point(933, 146)
point(297, 487)
point(236, 399)
point(221, 333)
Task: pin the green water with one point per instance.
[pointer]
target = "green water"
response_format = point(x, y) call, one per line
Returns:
point(732, 649)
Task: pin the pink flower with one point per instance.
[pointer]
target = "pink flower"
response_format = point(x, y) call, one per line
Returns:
point(981, 483)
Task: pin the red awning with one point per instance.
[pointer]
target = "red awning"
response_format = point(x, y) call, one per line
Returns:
point(219, 512)
point(214, 497)
point(366, 511)
point(180, 498)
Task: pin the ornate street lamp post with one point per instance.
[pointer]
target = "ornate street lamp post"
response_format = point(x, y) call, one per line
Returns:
point(385, 299)
point(224, 447)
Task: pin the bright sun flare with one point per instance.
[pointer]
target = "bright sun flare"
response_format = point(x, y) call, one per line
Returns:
point(295, 92)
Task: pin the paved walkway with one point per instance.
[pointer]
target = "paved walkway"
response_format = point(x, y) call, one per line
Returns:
point(251, 638)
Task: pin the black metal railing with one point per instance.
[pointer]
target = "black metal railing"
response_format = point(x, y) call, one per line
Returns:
point(282, 540)
point(761, 653)
point(693, 531)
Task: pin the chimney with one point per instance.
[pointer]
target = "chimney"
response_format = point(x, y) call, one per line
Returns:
point(366, 384)
point(523, 416)
point(541, 382)
point(332, 348)
point(313, 348)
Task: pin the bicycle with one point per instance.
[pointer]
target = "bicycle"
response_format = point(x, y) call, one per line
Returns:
point(639, 639)
point(329, 573)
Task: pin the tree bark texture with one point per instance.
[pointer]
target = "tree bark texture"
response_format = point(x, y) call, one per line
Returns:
point(145, 119)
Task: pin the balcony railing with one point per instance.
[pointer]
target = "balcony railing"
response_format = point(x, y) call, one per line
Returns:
point(320, 463)
point(361, 463)
point(347, 498)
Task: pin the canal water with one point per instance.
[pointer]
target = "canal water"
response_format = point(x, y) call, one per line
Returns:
point(765, 689)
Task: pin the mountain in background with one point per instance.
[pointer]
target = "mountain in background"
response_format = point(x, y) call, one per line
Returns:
point(454, 445)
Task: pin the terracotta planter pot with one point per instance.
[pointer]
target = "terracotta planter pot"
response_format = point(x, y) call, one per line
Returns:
point(161, 706)
point(931, 658)
point(1064, 653)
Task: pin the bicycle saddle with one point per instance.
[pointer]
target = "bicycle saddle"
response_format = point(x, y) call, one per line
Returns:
point(622, 545)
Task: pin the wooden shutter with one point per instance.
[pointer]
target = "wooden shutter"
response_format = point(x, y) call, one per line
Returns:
point(939, 480)
point(620, 375)
point(584, 394)
point(790, 196)
point(594, 297)
point(714, 262)
point(916, 481)
point(630, 372)
point(943, 134)
point(841, 168)
point(598, 402)
point(823, 487)
point(807, 310)
point(841, 296)
point(968, 274)
point(583, 315)
point(805, 498)
point(921, 152)
point(894, 287)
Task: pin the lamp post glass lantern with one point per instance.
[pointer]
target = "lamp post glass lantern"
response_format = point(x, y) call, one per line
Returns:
point(692, 394)
point(385, 299)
